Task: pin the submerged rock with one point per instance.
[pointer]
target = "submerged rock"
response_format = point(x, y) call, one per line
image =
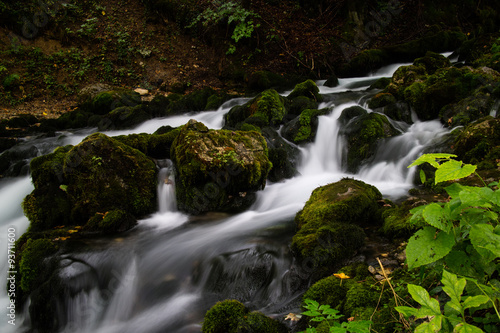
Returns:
point(96, 176)
point(218, 170)
point(329, 225)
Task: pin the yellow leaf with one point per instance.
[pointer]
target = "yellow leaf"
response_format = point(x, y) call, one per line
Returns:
point(72, 231)
point(103, 12)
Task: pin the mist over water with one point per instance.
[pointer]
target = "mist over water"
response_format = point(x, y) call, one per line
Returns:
point(168, 271)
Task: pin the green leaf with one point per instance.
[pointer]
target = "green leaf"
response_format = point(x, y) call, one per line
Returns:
point(467, 328)
point(475, 301)
point(452, 169)
point(430, 327)
point(460, 263)
point(454, 190)
point(476, 196)
point(427, 246)
point(430, 306)
point(311, 313)
point(485, 241)
point(433, 214)
point(359, 326)
point(423, 178)
point(453, 286)
point(407, 311)
point(431, 159)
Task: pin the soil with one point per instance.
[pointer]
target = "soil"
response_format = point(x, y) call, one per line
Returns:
point(288, 40)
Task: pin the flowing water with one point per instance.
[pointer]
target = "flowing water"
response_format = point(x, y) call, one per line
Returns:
point(164, 274)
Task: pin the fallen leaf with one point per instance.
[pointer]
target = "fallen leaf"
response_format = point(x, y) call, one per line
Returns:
point(293, 317)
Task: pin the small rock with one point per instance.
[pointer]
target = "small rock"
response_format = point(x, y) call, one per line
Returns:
point(372, 270)
point(142, 92)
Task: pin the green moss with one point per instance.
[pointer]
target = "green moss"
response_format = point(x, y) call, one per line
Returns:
point(301, 103)
point(33, 254)
point(479, 138)
point(258, 322)
point(360, 295)
point(111, 222)
point(153, 145)
point(308, 89)
point(327, 291)
point(107, 101)
point(307, 129)
point(225, 317)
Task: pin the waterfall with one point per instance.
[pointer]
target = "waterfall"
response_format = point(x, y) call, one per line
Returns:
point(165, 274)
point(166, 189)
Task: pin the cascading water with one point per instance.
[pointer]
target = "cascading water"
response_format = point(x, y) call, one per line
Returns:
point(163, 275)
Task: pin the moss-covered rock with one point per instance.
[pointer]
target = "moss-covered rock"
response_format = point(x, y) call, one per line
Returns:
point(328, 227)
point(397, 222)
point(478, 142)
point(301, 103)
point(381, 100)
point(267, 109)
point(351, 113)
point(282, 155)
point(303, 128)
point(96, 176)
point(469, 109)
point(106, 101)
point(153, 145)
point(432, 62)
point(218, 170)
point(308, 89)
point(111, 222)
point(231, 316)
point(363, 135)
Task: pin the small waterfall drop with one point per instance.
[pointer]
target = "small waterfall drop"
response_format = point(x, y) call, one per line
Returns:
point(166, 189)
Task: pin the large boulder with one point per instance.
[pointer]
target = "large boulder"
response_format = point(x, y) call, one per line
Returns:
point(329, 226)
point(218, 170)
point(479, 143)
point(363, 135)
point(99, 175)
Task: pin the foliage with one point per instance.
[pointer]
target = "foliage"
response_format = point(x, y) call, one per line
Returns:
point(454, 310)
point(231, 12)
point(323, 313)
point(462, 234)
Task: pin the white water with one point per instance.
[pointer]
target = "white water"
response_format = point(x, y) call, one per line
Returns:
point(163, 275)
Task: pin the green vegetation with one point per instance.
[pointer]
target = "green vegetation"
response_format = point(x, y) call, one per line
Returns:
point(237, 18)
point(330, 317)
point(463, 236)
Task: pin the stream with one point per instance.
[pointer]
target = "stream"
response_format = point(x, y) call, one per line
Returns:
point(163, 275)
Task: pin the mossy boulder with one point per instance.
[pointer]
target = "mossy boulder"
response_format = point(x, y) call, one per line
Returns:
point(231, 316)
point(467, 110)
point(363, 135)
point(329, 226)
point(307, 89)
point(380, 100)
point(98, 175)
point(111, 222)
point(397, 223)
point(478, 142)
point(267, 109)
point(351, 113)
point(218, 170)
point(106, 101)
point(303, 128)
point(432, 62)
point(153, 145)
